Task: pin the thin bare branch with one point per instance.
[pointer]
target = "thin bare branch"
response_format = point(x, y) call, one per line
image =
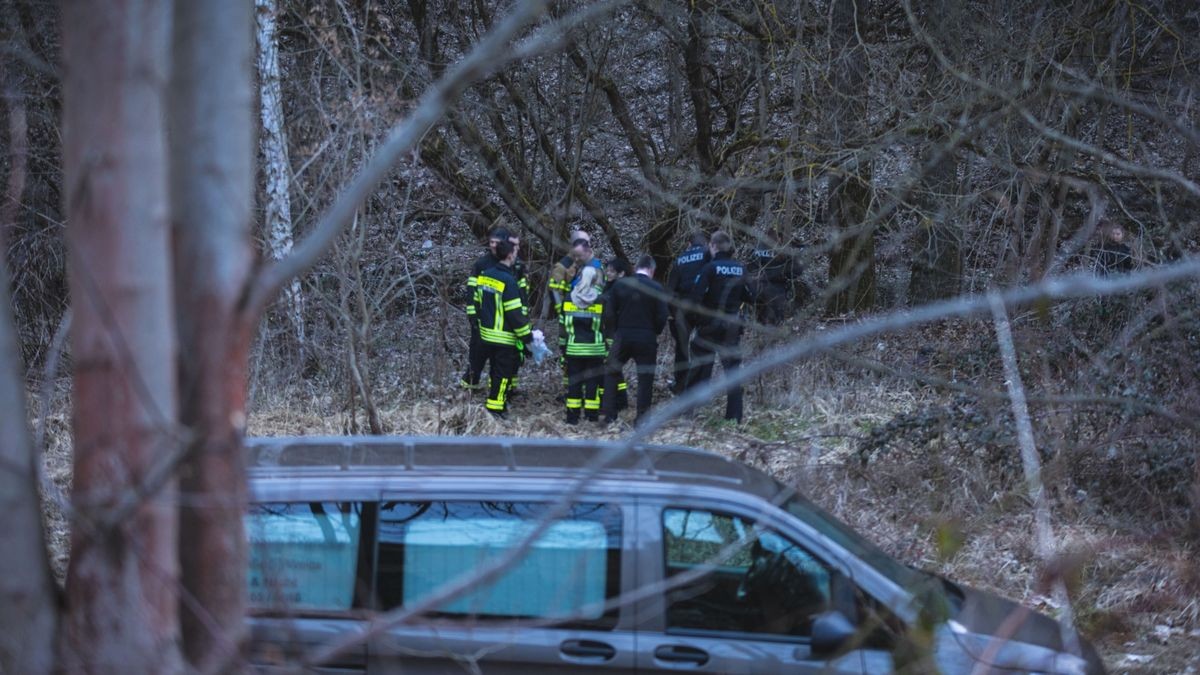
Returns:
point(431, 109)
point(491, 54)
point(1031, 462)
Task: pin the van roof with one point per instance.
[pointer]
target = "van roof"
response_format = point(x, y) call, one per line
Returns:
point(468, 455)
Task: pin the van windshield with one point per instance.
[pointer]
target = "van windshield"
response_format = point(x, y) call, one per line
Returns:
point(903, 576)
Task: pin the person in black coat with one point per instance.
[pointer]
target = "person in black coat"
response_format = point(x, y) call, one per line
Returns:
point(1113, 256)
point(679, 284)
point(720, 290)
point(772, 272)
point(635, 313)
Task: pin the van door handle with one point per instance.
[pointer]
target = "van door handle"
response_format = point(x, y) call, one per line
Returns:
point(588, 649)
point(681, 654)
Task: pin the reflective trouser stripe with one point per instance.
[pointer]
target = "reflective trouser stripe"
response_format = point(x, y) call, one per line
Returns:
point(622, 386)
point(497, 403)
point(574, 403)
point(593, 403)
point(586, 350)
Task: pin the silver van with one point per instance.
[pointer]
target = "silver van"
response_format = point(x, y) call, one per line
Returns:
point(666, 559)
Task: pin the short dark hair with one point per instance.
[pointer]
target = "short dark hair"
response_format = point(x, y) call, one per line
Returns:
point(697, 238)
point(581, 242)
point(722, 241)
point(619, 265)
point(504, 248)
point(499, 232)
point(646, 262)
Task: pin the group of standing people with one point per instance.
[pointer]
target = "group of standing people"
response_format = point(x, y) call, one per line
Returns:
point(709, 289)
point(610, 314)
point(607, 315)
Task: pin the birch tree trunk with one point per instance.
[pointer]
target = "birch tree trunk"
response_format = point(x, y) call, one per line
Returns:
point(276, 165)
point(122, 583)
point(28, 612)
point(212, 157)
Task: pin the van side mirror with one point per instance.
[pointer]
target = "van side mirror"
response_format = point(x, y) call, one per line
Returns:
point(830, 632)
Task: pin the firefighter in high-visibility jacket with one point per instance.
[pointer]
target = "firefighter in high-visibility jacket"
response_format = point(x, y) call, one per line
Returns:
point(476, 357)
point(504, 330)
point(562, 277)
point(585, 348)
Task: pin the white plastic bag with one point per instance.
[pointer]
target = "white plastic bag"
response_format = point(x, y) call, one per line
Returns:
point(538, 347)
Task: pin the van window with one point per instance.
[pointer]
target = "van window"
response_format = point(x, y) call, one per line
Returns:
point(302, 556)
point(753, 580)
point(567, 574)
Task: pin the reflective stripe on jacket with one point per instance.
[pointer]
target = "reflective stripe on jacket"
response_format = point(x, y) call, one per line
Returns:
point(501, 313)
point(582, 325)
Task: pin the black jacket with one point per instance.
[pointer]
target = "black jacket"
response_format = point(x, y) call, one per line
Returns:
point(485, 262)
point(518, 271)
point(635, 309)
point(772, 267)
point(720, 288)
point(687, 266)
point(499, 308)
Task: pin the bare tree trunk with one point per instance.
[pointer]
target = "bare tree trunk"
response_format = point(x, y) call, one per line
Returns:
point(212, 151)
point(852, 260)
point(122, 584)
point(937, 256)
point(28, 611)
point(277, 167)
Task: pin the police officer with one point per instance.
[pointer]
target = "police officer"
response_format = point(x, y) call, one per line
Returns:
point(585, 348)
point(475, 354)
point(720, 289)
point(772, 272)
point(635, 312)
point(679, 284)
point(503, 321)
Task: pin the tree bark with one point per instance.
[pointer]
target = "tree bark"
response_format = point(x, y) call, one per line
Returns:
point(28, 611)
point(936, 271)
point(852, 260)
point(694, 65)
point(122, 584)
point(212, 153)
point(937, 257)
point(276, 166)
